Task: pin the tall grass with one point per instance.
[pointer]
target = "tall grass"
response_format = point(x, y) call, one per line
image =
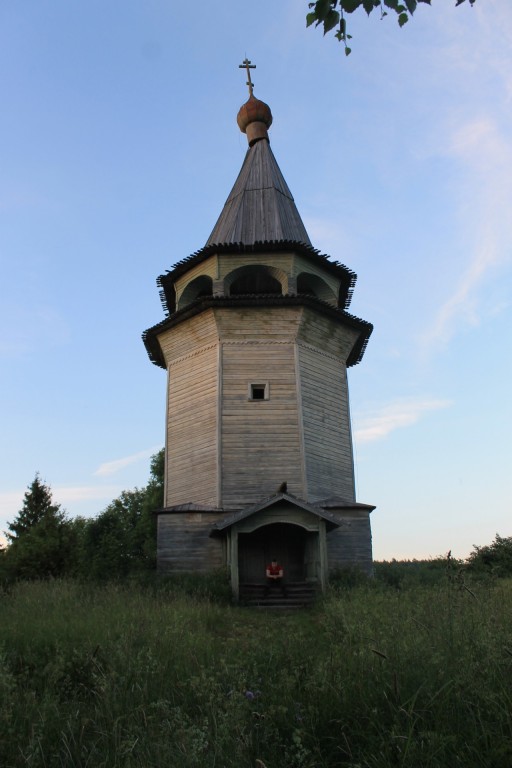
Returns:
point(127, 676)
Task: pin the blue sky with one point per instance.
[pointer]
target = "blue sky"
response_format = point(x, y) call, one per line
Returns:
point(119, 148)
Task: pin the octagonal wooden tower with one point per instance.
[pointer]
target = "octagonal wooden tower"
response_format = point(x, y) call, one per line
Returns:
point(256, 343)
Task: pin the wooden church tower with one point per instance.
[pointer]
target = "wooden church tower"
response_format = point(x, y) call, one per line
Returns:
point(256, 344)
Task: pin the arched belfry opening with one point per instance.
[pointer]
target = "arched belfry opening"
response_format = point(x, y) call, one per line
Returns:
point(256, 345)
point(198, 288)
point(312, 285)
point(255, 279)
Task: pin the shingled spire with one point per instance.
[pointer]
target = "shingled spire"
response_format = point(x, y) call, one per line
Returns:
point(260, 207)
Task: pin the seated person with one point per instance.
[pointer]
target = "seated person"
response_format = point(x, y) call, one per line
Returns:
point(275, 577)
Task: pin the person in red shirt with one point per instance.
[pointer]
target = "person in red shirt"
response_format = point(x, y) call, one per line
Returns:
point(275, 577)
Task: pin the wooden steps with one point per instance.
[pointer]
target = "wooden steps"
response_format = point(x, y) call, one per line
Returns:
point(298, 595)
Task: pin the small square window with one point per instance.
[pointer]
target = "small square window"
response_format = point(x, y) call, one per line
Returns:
point(258, 391)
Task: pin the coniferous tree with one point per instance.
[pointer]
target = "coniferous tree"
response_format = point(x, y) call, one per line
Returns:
point(41, 538)
point(37, 505)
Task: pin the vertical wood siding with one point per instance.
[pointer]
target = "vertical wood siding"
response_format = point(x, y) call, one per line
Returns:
point(351, 544)
point(184, 543)
point(325, 411)
point(260, 439)
point(191, 351)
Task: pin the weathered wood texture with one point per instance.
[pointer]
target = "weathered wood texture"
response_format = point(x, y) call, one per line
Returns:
point(184, 543)
point(230, 262)
point(260, 207)
point(208, 267)
point(300, 434)
point(289, 264)
point(279, 513)
point(260, 438)
point(327, 444)
point(328, 453)
point(192, 447)
point(351, 543)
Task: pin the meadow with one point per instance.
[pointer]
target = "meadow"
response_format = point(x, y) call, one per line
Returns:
point(173, 675)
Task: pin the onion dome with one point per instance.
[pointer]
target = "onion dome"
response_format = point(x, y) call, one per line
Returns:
point(254, 117)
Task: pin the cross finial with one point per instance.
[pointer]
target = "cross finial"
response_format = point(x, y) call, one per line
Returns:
point(246, 64)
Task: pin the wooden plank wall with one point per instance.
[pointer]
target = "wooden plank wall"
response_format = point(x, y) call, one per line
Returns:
point(191, 351)
point(351, 544)
point(184, 543)
point(323, 348)
point(327, 443)
point(260, 438)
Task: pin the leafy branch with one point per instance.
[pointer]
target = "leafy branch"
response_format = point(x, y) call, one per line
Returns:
point(331, 13)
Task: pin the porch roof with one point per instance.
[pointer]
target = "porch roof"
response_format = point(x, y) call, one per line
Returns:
point(189, 506)
point(236, 517)
point(333, 502)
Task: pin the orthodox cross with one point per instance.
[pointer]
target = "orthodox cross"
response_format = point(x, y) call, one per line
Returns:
point(246, 64)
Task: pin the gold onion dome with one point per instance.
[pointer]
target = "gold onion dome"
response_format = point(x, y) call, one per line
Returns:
point(254, 117)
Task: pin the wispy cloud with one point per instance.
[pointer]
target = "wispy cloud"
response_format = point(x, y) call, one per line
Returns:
point(485, 155)
point(111, 467)
point(380, 423)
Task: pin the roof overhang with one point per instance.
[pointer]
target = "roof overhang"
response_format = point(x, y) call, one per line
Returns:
point(150, 337)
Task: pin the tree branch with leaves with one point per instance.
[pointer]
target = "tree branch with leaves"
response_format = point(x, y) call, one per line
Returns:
point(331, 14)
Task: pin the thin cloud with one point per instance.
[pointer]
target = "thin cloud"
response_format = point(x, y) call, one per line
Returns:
point(486, 158)
point(111, 467)
point(380, 424)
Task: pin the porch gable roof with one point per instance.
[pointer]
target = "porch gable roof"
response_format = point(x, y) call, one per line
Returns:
point(271, 501)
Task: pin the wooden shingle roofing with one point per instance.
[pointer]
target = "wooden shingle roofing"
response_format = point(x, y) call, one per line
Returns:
point(260, 207)
point(150, 337)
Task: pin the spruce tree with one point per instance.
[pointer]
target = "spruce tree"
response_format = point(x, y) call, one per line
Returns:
point(37, 506)
point(42, 542)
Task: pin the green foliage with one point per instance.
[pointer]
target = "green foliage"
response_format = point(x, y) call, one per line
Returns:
point(494, 559)
point(331, 13)
point(402, 574)
point(348, 578)
point(37, 506)
point(121, 540)
point(41, 538)
point(121, 676)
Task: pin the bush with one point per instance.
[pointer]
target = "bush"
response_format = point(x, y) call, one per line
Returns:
point(494, 559)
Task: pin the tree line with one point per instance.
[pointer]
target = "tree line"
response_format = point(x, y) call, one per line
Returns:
point(44, 542)
point(120, 542)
